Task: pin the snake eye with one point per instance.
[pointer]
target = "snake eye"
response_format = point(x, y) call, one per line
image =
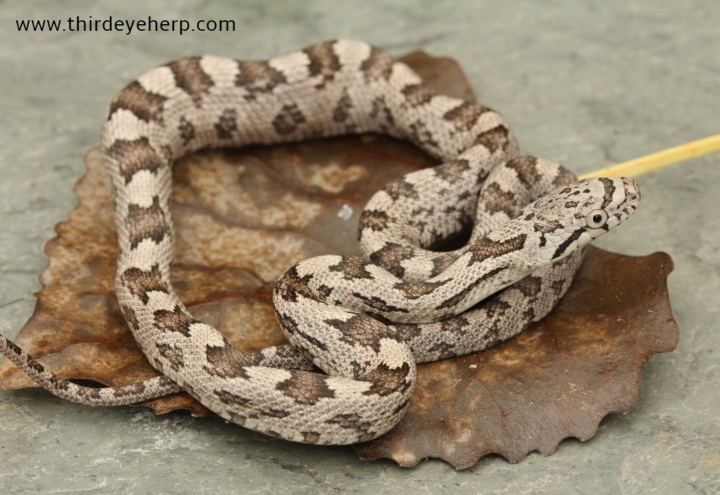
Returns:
point(596, 219)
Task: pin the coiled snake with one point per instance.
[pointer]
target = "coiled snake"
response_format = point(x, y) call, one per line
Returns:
point(365, 323)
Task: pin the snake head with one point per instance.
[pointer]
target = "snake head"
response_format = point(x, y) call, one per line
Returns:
point(571, 217)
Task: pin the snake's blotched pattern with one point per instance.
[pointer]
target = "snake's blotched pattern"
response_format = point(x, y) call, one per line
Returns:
point(364, 322)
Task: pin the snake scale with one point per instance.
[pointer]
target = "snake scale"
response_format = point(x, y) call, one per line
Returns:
point(364, 322)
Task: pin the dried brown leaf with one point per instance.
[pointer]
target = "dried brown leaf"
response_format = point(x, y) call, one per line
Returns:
point(244, 216)
point(556, 380)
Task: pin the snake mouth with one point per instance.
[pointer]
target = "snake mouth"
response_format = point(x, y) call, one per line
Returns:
point(632, 198)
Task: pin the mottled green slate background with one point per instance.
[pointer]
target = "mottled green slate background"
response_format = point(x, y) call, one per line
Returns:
point(586, 83)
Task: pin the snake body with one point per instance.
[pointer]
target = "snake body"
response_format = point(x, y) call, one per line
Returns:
point(364, 322)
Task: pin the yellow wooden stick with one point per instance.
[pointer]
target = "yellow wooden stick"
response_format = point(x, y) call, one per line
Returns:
point(661, 159)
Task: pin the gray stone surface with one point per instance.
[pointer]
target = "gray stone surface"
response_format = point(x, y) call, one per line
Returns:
point(586, 83)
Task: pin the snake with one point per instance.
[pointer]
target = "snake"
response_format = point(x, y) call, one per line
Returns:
point(357, 326)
